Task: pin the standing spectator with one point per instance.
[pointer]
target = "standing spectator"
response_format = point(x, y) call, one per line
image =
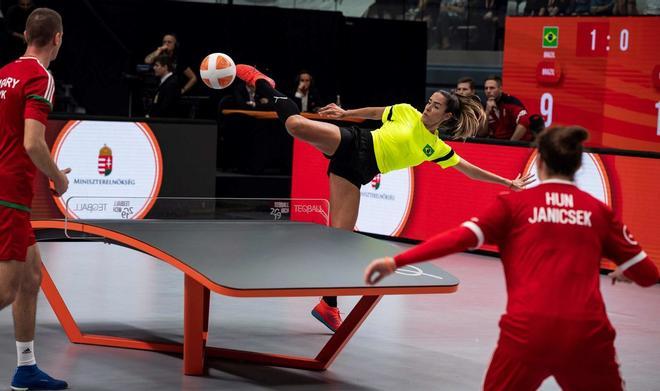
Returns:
point(465, 86)
point(166, 100)
point(306, 96)
point(171, 48)
point(17, 15)
point(507, 116)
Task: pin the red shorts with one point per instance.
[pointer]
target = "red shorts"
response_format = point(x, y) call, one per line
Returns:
point(16, 234)
point(587, 370)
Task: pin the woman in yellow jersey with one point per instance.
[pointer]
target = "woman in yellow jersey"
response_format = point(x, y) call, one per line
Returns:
point(406, 138)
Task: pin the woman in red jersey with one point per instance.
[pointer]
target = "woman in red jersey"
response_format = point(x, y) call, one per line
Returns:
point(551, 240)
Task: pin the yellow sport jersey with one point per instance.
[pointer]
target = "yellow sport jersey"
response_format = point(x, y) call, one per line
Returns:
point(403, 141)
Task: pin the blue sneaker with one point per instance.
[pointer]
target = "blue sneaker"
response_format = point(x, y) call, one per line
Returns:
point(30, 377)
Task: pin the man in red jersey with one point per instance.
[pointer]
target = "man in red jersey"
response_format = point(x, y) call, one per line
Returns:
point(26, 98)
point(507, 116)
point(551, 240)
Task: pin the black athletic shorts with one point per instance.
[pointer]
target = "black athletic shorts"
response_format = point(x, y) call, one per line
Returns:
point(355, 159)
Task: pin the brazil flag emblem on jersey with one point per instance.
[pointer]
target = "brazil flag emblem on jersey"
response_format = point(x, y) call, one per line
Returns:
point(428, 151)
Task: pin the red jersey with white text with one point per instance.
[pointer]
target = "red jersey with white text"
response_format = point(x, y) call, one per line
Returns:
point(26, 92)
point(551, 240)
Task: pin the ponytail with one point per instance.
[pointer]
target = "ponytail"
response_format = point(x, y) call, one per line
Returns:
point(468, 116)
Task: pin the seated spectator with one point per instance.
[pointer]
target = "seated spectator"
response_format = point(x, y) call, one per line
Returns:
point(465, 86)
point(170, 47)
point(243, 97)
point(557, 8)
point(652, 7)
point(453, 13)
point(625, 8)
point(386, 9)
point(429, 11)
point(579, 7)
point(489, 17)
point(264, 138)
point(306, 96)
point(166, 100)
point(507, 116)
point(602, 7)
point(535, 7)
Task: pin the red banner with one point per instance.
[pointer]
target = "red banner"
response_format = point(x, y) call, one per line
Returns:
point(418, 203)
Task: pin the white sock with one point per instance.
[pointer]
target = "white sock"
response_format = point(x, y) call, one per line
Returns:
point(25, 352)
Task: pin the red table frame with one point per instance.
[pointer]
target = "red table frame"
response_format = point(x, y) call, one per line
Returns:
point(197, 290)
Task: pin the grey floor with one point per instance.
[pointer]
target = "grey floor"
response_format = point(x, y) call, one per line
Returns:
point(408, 343)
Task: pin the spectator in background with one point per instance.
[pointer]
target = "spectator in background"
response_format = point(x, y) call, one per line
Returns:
point(236, 131)
point(166, 100)
point(625, 8)
point(652, 7)
point(466, 87)
point(490, 15)
point(243, 97)
point(535, 7)
point(4, 40)
point(428, 11)
point(171, 48)
point(602, 7)
point(579, 7)
point(17, 15)
point(306, 96)
point(452, 14)
point(557, 7)
point(507, 116)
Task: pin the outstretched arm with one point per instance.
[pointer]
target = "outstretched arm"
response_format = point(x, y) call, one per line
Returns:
point(448, 242)
point(473, 172)
point(335, 112)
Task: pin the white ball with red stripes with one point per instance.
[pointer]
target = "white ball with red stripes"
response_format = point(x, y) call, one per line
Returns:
point(217, 70)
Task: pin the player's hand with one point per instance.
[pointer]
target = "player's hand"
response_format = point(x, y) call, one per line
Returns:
point(379, 269)
point(60, 185)
point(521, 182)
point(332, 111)
point(617, 275)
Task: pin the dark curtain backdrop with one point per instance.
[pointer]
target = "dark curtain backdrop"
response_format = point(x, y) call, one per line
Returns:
point(366, 61)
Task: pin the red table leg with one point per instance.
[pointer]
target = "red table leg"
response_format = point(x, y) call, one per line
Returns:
point(195, 324)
